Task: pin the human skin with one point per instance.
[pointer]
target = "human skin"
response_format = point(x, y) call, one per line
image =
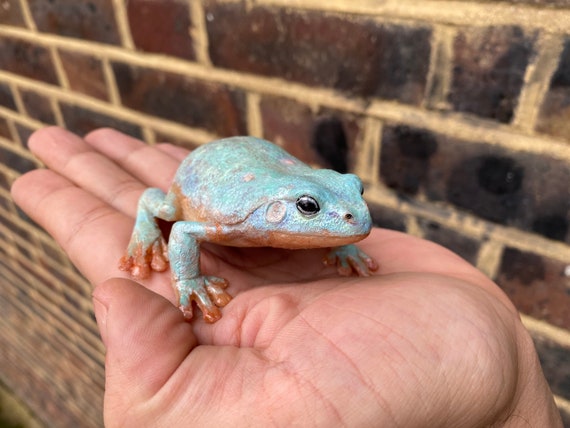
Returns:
point(426, 341)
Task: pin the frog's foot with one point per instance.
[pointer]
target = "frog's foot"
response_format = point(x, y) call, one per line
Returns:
point(349, 258)
point(141, 260)
point(208, 293)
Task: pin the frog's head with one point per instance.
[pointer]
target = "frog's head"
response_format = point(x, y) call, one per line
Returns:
point(323, 209)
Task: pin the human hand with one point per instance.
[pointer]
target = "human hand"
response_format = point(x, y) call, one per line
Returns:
point(428, 341)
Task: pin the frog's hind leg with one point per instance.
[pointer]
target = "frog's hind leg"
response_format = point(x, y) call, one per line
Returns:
point(147, 250)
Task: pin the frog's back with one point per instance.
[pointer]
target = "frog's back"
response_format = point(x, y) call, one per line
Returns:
point(225, 180)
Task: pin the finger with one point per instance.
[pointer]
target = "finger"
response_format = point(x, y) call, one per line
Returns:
point(134, 324)
point(176, 152)
point(68, 155)
point(93, 234)
point(153, 167)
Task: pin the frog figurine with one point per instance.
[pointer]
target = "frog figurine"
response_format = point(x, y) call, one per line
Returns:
point(245, 192)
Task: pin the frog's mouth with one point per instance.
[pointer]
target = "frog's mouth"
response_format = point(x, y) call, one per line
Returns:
point(297, 241)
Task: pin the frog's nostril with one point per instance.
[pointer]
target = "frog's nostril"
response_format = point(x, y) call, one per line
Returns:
point(349, 217)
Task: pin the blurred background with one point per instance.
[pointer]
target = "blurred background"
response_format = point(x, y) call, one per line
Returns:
point(456, 114)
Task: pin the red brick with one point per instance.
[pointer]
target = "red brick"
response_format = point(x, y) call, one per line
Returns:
point(523, 190)
point(81, 19)
point(554, 118)
point(349, 53)
point(85, 74)
point(27, 60)
point(82, 121)
point(488, 70)
point(325, 137)
point(11, 14)
point(161, 27)
point(196, 103)
point(38, 106)
point(537, 285)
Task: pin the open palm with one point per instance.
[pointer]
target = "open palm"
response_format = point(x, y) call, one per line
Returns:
point(428, 341)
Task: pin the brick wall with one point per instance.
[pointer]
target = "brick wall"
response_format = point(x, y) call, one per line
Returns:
point(455, 113)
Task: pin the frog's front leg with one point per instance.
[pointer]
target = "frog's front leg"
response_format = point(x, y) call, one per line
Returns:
point(349, 258)
point(184, 254)
point(147, 248)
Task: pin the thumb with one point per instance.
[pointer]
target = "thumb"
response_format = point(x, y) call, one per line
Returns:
point(146, 340)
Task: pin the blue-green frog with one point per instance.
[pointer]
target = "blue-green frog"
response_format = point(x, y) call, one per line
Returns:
point(245, 192)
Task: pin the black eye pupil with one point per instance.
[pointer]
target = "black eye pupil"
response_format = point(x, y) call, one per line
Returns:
point(307, 205)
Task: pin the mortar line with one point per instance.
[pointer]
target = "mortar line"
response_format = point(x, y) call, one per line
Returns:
point(122, 20)
point(20, 106)
point(460, 13)
point(468, 128)
point(472, 226)
point(489, 257)
point(27, 15)
point(562, 403)
point(19, 150)
point(558, 334)
point(453, 124)
point(16, 117)
point(439, 74)
point(142, 119)
point(59, 120)
point(59, 69)
point(254, 122)
point(537, 81)
point(148, 135)
point(199, 33)
point(368, 164)
point(111, 83)
point(13, 132)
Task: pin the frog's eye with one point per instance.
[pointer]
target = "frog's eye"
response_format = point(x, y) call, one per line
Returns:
point(307, 205)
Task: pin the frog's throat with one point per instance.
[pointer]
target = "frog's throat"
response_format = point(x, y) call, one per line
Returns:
point(294, 241)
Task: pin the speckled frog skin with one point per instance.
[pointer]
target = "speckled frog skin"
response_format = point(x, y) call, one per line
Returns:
point(245, 192)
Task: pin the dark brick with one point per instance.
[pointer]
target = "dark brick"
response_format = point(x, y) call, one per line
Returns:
point(5, 129)
point(80, 19)
point(38, 106)
point(555, 364)
point(195, 103)
point(554, 117)
point(6, 97)
point(537, 285)
point(82, 121)
point(519, 189)
point(85, 74)
point(161, 27)
point(387, 217)
point(462, 245)
point(489, 69)
point(26, 59)
point(24, 132)
point(404, 162)
point(326, 137)
point(352, 54)
point(11, 14)
point(15, 161)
